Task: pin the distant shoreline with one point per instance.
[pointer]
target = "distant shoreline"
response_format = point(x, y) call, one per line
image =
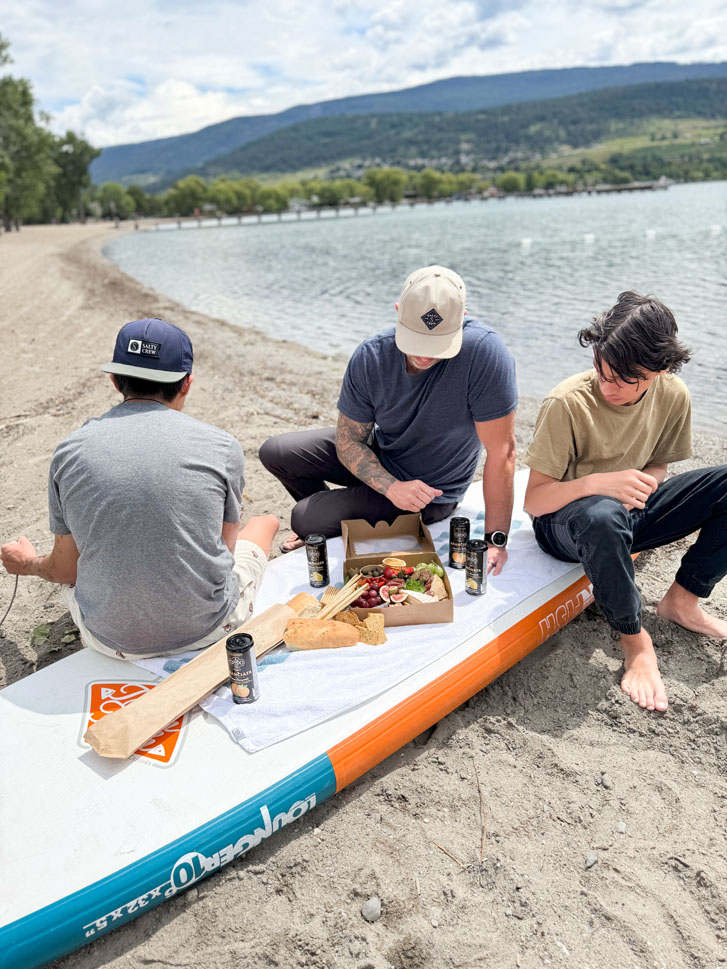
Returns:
point(313, 212)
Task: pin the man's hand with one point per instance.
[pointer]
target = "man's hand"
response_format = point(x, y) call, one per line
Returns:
point(20, 558)
point(496, 558)
point(17, 557)
point(411, 495)
point(632, 488)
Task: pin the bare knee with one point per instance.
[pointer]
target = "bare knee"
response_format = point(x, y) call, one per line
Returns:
point(261, 530)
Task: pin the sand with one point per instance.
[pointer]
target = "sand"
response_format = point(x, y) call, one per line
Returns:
point(570, 770)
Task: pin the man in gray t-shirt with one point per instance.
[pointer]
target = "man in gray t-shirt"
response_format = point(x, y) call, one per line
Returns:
point(145, 509)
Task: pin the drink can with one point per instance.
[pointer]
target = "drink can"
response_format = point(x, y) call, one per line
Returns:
point(476, 574)
point(317, 552)
point(242, 664)
point(459, 535)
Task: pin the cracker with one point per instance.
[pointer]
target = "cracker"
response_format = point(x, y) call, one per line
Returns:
point(371, 630)
point(350, 617)
point(328, 594)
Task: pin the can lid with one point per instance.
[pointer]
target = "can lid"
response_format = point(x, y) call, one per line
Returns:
point(314, 539)
point(458, 519)
point(240, 642)
point(475, 544)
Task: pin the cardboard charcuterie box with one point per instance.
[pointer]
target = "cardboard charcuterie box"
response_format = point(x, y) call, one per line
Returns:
point(408, 539)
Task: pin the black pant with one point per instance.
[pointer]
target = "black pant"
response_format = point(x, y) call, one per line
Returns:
point(305, 462)
point(601, 534)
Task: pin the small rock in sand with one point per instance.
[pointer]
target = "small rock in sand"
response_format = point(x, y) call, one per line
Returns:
point(621, 827)
point(591, 859)
point(371, 909)
point(606, 782)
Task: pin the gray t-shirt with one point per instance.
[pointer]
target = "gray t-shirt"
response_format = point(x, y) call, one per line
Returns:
point(144, 491)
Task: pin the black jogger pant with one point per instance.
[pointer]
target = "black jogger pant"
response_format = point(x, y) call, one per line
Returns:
point(601, 534)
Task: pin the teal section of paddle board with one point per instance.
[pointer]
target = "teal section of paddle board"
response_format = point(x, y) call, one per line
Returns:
point(75, 920)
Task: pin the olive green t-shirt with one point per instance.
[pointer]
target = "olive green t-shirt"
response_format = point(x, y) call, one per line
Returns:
point(578, 432)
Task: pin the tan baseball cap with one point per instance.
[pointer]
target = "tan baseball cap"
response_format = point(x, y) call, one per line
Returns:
point(431, 312)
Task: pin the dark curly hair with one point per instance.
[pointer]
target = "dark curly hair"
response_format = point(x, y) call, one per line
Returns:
point(637, 335)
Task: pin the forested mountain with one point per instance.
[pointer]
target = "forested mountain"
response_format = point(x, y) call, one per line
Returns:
point(150, 162)
point(470, 139)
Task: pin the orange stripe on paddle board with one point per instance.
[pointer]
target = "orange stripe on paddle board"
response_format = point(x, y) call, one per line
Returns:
point(385, 735)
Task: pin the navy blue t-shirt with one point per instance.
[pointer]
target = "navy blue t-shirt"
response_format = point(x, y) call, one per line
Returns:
point(425, 421)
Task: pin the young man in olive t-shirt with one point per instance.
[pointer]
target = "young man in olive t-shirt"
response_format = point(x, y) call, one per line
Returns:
point(598, 460)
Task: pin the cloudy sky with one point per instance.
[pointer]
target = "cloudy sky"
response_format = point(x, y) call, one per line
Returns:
point(150, 68)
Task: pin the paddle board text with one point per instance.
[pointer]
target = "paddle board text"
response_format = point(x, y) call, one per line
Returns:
point(563, 613)
point(194, 865)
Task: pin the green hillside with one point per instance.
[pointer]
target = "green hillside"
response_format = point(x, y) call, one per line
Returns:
point(149, 161)
point(492, 138)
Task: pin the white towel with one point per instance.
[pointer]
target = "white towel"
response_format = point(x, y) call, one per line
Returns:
point(301, 689)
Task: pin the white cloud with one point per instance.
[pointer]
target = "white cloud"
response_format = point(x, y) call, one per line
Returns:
point(153, 68)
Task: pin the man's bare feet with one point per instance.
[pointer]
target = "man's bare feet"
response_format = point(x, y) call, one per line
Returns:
point(682, 607)
point(642, 681)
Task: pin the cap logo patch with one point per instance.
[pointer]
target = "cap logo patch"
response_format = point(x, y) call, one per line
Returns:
point(432, 319)
point(144, 348)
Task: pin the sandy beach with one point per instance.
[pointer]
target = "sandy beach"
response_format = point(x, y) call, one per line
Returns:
point(570, 769)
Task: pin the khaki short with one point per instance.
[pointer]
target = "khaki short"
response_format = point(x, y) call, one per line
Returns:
point(249, 568)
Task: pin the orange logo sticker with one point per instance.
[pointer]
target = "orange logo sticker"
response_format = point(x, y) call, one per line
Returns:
point(106, 697)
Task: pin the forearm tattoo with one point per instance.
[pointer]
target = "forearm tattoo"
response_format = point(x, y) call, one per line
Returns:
point(355, 454)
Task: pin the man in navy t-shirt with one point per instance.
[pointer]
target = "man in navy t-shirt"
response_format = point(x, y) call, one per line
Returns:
point(417, 404)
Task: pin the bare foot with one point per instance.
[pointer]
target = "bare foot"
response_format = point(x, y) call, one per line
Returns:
point(642, 681)
point(291, 544)
point(682, 607)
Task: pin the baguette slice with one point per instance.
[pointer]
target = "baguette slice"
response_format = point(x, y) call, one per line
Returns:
point(319, 634)
point(305, 605)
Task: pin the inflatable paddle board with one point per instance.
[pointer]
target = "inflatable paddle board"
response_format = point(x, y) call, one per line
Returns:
point(87, 843)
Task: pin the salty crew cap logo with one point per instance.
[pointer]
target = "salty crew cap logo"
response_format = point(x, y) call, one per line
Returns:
point(432, 319)
point(431, 313)
point(151, 349)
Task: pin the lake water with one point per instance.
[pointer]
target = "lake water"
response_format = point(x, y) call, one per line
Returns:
point(536, 269)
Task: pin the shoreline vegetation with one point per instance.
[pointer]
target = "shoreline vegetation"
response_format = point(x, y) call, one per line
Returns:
point(209, 216)
point(226, 197)
point(603, 831)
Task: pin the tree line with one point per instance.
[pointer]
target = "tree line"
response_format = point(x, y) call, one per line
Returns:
point(196, 196)
point(43, 177)
point(193, 195)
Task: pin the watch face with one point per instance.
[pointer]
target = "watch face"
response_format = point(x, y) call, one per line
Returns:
point(498, 539)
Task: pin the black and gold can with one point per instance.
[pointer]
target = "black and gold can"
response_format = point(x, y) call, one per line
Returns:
point(242, 665)
point(459, 535)
point(317, 553)
point(476, 567)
